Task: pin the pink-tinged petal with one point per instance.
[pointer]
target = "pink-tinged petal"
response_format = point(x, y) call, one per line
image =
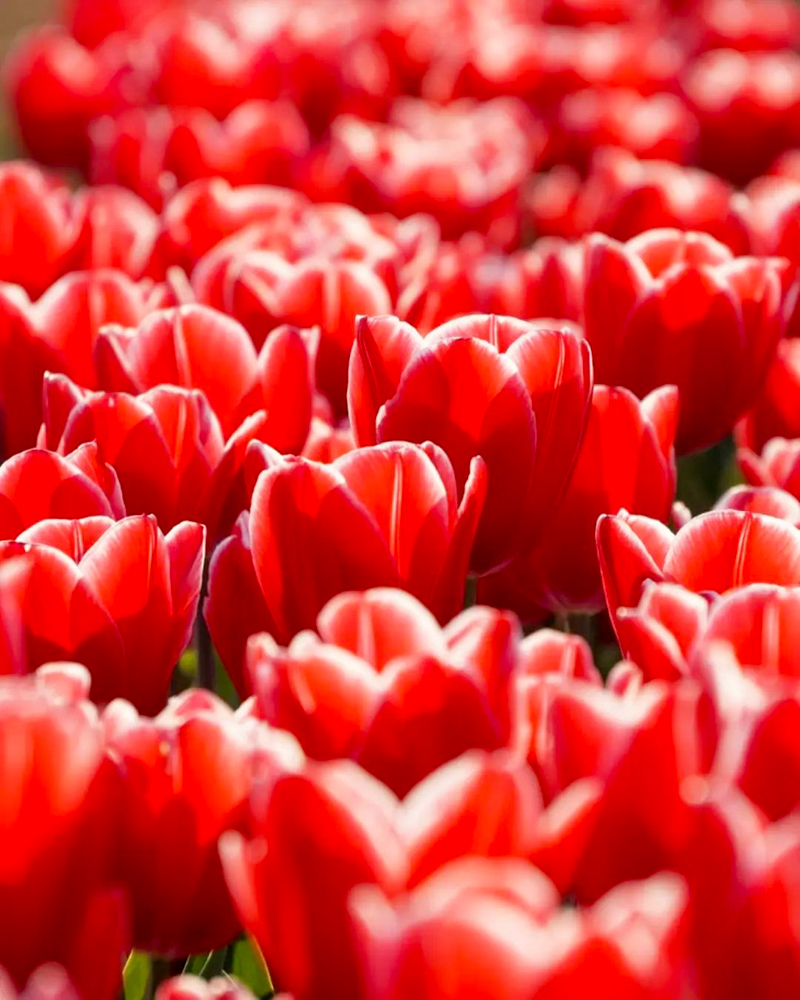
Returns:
point(547, 651)
point(285, 372)
point(186, 548)
point(235, 608)
point(615, 281)
point(401, 489)
point(429, 713)
point(762, 625)
point(725, 549)
point(382, 350)
point(761, 500)
point(312, 539)
point(380, 625)
point(73, 538)
point(631, 550)
point(323, 695)
point(470, 400)
point(447, 815)
point(87, 459)
point(60, 396)
point(556, 367)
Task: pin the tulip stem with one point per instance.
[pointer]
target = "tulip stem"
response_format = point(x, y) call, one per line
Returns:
point(470, 591)
point(206, 668)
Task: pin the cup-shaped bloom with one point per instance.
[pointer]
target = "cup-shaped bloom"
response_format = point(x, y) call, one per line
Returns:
point(58, 825)
point(774, 413)
point(186, 778)
point(494, 929)
point(120, 597)
point(626, 461)
point(714, 553)
point(56, 333)
point(386, 685)
point(332, 827)
point(164, 445)
point(678, 308)
point(188, 987)
point(36, 485)
point(382, 516)
point(196, 347)
point(777, 467)
point(48, 982)
point(512, 392)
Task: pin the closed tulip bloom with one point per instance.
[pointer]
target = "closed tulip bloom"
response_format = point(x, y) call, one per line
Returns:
point(37, 485)
point(121, 598)
point(514, 393)
point(383, 516)
point(678, 308)
point(49, 982)
point(389, 687)
point(186, 777)
point(714, 553)
point(164, 445)
point(627, 461)
point(194, 988)
point(59, 903)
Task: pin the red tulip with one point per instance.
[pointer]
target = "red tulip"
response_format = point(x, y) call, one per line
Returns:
point(189, 987)
point(57, 333)
point(36, 485)
point(715, 552)
point(49, 982)
point(202, 214)
point(494, 930)
point(774, 413)
point(671, 307)
point(388, 687)
point(624, 196)
point(748, 106)
point(164, 445)
point(384, 516)
point(658, 126)
point(58, 823)
point(322, 832)
point(489, 386)
point(120, 597)
point(561, 571)
point(186, 779)
point(463, 163)
point(746, 27)
point(761, 500)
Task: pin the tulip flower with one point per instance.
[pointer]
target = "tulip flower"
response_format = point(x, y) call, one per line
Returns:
point(513, 393)
point(186, 778)
point(194, 988)
point(49, 982)
point(714, 553)
point(56, 333)
point(320, 833)
point(37, 485)
point(383, 516)
point(774, 412)
point(561, 572)
point(59, 903)
point(120, 597)
point(678, 308)
point(384, 684)
point(454, 935)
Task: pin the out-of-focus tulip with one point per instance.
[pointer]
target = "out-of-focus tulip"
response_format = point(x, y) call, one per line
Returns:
point(120, 597)
point(623, 196)
point(714, 553)
point(384, 684)
point(36, 485)
point(57, 333)
point(748, 107)
point(333, 827)
point(512, 392)
point(186, 779)
point(49, 982)
point(189, 987)
point(775, 413)
point(383, 516)
point(626, 461)
point(678, 308)
point(57, 830)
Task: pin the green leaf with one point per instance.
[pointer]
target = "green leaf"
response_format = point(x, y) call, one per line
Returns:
point(249, 968)
point(136, 976)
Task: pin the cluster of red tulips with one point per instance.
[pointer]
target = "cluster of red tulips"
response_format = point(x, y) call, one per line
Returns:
point(359, 638)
